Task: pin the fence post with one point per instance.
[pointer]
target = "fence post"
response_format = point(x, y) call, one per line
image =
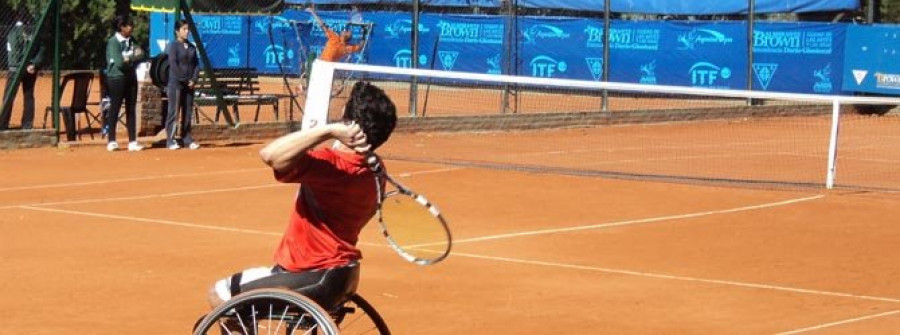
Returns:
point(414, 81)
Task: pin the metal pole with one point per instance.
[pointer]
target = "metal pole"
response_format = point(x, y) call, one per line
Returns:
point(512, 32)
point(57, 12)
point(870, 11)
point(751, 13)
point(414, 81)
point(606, 26)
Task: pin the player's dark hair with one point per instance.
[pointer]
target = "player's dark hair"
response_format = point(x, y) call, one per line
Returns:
point(373, 111)
point(180, 23)
point(121, 21)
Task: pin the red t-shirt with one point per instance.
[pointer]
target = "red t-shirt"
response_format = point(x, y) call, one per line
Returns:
point(344, 192)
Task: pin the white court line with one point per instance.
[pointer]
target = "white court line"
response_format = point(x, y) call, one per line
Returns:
point(680, 278)
point(493, 258)
point(156, 221)
point(842, 322)
point(170, 223)
point(639, 221)
point(415, 173)
point(151, 196)
point(112, 181)
point(178, 194)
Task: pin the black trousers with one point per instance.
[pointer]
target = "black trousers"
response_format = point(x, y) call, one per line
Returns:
point(122, 89)
point(181, 98)
point(28, 80)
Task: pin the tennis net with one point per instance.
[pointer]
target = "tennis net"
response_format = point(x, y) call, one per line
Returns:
point(622, 130)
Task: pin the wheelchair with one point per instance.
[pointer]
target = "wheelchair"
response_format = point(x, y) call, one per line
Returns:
point(331, 311)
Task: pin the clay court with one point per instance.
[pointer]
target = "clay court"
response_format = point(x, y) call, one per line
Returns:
point(109, 243)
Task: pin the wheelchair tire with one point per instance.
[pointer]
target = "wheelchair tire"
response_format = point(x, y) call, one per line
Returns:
point(265, 311)
point(357, 316)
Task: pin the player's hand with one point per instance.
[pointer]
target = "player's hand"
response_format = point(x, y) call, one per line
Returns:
point(311, 8)
point(351, 135)
point(30, 68)
point(138, 53)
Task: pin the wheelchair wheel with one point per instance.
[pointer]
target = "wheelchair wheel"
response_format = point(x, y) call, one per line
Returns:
point(267, 311)
point(357, 316)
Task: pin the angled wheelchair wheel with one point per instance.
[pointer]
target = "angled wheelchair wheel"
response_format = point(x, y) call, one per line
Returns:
point(267, 311)
point(357, 316)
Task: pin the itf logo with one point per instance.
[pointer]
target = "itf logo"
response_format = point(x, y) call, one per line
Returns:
point(648, 73)
point(543, 31)
point(403, 28)
point(702, 36)
point(706, 74)
point(448, 59)
point(764, 73)
point(823, 80)
point(545, 66)
point(403, 58)
point(596, 66)
point(275, 55)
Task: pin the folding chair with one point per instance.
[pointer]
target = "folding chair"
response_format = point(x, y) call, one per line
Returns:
point(81, 90)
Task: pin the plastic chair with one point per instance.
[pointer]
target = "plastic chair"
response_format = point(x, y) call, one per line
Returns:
point(81, 90)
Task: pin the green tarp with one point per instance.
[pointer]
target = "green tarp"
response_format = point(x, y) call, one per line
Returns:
point(212, 6)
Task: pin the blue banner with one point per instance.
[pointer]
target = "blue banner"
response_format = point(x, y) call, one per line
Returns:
point(802, 58)
point(225, 37)
point(787, 57)
point(634, 6)
point(872, 61)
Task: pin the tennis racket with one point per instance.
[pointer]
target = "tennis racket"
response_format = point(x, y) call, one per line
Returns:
point(412, 225)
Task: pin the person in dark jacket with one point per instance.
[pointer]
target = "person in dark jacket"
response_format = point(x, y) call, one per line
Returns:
point(184, 71)
point(16, 42)
point(122, 55)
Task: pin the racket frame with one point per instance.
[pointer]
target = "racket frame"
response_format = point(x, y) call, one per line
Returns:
point(381, 179)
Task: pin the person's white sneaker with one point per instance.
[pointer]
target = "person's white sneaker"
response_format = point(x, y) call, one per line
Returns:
point(174, 146)
point(194, 146)
point(134, 146)
point(112, 146)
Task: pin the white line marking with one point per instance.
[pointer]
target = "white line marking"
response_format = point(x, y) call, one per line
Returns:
point(632, 222)
point(494, 258)
point(681, 278)
point(112, 181)
point(171, 223)
point(415, 173)
point(842, 322)
point(156, 221)
point(151, 196)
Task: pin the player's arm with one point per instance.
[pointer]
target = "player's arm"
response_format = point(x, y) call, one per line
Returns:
point(312, 11)
point(284, 153)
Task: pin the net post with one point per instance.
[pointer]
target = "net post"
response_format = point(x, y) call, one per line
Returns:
point(832, 146)
point(318, 95)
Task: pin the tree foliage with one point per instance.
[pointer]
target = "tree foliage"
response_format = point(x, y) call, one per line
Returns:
point(85, 25)
point(890, 11)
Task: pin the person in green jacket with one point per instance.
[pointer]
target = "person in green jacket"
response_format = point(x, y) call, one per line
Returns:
point(122, 56)
point(16, 43)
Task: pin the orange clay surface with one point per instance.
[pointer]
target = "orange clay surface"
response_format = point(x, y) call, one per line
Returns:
point(94, 242)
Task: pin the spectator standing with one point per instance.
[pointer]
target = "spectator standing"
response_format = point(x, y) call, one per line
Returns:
point(122, 55)
point(16, 44)
point(184, 71)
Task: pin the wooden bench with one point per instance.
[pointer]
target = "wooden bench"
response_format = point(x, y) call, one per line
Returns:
point(239, 86)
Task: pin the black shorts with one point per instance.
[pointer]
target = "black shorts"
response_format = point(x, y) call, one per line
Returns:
point(327, 287)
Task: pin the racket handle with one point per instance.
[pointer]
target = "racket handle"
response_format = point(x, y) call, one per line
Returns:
point(374, 162)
